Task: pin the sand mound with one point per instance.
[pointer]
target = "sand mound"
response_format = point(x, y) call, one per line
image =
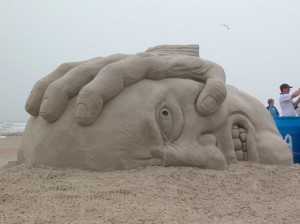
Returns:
point(245, 193)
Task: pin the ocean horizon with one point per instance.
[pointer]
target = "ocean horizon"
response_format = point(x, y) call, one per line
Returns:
point(11, 128)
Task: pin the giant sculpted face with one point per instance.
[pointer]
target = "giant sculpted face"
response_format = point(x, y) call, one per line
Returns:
point(165, 106)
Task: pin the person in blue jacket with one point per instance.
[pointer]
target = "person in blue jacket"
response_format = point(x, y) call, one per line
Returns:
point(272, 109)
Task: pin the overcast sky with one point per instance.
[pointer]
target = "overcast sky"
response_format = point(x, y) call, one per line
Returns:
point(260, 50)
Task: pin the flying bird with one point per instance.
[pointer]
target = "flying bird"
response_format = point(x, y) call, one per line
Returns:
point(226, 26)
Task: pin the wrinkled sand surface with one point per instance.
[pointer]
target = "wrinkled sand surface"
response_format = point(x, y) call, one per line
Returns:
point(245, 193)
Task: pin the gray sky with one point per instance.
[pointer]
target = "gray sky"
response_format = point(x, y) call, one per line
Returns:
point(259, 52)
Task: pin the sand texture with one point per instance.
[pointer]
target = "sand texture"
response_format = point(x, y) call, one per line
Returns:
point(9, 146)
point(245, 193)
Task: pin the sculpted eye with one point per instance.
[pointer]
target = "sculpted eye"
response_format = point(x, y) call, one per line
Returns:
point(165, 113)
point(169, 118)
point(165, 122)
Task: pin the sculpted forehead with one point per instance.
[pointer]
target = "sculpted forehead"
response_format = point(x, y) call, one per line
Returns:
point(148, 94)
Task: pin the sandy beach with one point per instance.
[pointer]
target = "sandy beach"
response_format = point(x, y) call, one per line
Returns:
point(9, 146)
point(245, 193)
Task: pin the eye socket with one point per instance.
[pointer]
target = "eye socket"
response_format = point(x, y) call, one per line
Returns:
point(165, 122)
point(169, 118)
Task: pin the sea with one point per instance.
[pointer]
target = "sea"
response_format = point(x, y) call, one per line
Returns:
point(11, 128)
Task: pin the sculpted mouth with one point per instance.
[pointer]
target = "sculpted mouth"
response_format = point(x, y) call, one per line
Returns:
point(239, 137)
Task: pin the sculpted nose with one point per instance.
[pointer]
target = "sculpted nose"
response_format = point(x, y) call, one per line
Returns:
point(201, 153)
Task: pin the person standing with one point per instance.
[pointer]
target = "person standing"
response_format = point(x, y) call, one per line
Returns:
point(272, 109)
point(286, 103)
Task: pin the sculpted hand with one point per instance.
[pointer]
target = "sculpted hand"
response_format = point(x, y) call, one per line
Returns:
point(98, 80)
point(49, 96)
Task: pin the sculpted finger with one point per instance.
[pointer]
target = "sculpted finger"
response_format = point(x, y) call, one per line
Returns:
point(54, 102)
point(33, 103)
point(213, 75)
point(89, 105)
point(109, 82)
point(59, 92)
point(211, 97)
point(34, 100)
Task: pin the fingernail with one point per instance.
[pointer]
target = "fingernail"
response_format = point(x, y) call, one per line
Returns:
point(44, 106)
point(208, 104)
point(80, 111)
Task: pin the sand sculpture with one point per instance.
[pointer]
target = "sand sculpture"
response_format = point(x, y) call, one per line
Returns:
point(165, 106)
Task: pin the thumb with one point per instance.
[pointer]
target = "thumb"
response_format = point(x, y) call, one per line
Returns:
point(211, 97)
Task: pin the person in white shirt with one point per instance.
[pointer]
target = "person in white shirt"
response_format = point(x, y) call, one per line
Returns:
point(298, 111)
point(287, 105)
